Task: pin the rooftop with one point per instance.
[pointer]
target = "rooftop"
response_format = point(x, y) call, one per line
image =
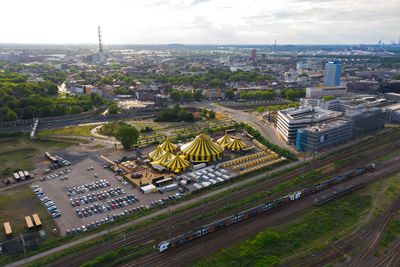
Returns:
point(327, 125)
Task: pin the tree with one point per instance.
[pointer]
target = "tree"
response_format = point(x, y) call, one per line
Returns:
point(52, 89)
point(113, 108)
point(328, 97)
point(211, 114)
point(197, 95)
point(230, 94)
point(260, 109)
point(187, 96)
point(29, 112)
point(176, 95)
point(127, 135)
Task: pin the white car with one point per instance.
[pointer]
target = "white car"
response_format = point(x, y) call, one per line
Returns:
point(84, 229)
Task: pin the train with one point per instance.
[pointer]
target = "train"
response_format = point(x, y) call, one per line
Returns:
point(271, 205)
point(338, 193)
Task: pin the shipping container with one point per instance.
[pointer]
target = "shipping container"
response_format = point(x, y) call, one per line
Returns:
point(36, 219)
point(7, 229)
point(22, 175)
point(16, 176)
point(29, 223)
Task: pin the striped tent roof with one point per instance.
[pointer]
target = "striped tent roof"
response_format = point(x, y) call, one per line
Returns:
point(236, 144)
point(202, 149)
point(168, 146)
point(177, 164)
point(156, 153)
point(164, 158)
point(224, 140)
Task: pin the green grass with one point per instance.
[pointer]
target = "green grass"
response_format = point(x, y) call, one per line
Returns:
point(16, 153)
point(345, 161)
point(391, 232)
point(73, 131)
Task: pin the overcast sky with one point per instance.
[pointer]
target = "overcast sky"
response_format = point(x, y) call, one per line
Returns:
point(200, 21)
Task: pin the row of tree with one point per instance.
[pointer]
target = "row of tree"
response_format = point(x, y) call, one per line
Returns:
point(175, 113)
point(20, 99)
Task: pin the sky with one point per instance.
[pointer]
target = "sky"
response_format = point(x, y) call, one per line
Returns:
point(200, 21)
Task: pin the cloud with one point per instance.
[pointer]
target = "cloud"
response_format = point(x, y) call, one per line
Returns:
point(196, 2)
point(201, 21)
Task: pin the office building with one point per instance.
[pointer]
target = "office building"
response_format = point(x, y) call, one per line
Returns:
point(324, 135)
point(292, 119)
point(395, 97)
point(253, 55)
point(337, 91)
point(393, 113)
point(365, 120)
point(333, 70)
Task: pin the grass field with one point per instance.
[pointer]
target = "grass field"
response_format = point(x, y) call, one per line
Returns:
point(18, 153)
point(72, 131)
point(19, 202)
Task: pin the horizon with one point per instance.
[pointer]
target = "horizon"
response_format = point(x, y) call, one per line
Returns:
point(154, 22)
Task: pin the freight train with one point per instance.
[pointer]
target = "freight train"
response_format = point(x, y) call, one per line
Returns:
point(338, 193)
point(226, 222)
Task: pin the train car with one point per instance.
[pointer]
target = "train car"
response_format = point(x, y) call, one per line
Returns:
point(338, 193)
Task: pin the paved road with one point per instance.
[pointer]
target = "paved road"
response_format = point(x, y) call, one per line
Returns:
point(240, 116)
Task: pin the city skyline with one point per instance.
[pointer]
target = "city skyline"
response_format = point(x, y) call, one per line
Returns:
point(201, 22)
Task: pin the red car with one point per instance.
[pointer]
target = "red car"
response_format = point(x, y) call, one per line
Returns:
point(100, 198)
point(77, 203)
point(113, 206)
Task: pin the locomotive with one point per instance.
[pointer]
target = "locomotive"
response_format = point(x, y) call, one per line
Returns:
point(271, 205)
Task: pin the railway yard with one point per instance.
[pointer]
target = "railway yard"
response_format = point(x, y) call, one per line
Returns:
point(241, 198)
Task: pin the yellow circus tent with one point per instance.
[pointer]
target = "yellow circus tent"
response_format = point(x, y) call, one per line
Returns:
point(236, 144)
point(156, 153)
point(177, 164)
point(202, 149)
point(168, 146)
point(164, 158)
point(224, 140)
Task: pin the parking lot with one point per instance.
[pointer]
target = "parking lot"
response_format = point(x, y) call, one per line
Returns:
point(90, 192)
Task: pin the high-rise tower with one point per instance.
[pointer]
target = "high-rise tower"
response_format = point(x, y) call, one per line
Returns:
point(333, 71)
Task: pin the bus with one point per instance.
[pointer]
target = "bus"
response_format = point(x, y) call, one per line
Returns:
point(29, 223)
point(7, 229)
point(37, 221)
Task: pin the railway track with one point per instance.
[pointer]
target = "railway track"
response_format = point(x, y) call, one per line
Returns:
point(391, 258)
point(196, 249)
point(160, 228)
point(373, 230)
